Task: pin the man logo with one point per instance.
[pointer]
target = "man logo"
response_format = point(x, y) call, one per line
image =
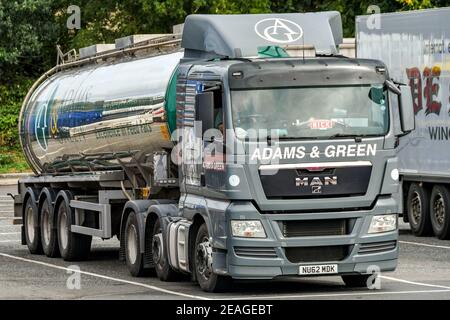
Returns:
point(316, 181)
point(278, 30)
point(316, 189)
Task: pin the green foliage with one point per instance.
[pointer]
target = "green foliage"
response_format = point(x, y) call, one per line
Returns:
point(422, 4)
point(11, 97)
point(27, 33)
point(12, 161)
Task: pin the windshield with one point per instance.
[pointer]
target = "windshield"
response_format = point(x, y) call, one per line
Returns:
point(313, 112)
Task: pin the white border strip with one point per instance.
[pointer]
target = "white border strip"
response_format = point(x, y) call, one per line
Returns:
point(424, 244)
point(334, 295)
point(315, 165)
point(416, 283)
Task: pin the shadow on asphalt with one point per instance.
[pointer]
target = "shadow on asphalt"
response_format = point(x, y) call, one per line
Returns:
point(288, 285)
point(103, 254)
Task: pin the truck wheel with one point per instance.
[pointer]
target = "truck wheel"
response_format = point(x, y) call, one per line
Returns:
point(133, 255)
point(356, 280)
point(419, 210)
point(159, 255)
point(49, 237)
point(440, 212)
point(31, 225)
point(72, 246)
point(207, 279)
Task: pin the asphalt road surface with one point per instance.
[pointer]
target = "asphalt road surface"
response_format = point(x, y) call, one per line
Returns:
point(423, 273)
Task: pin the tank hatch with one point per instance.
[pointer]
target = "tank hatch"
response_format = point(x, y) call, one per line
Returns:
point(95, 50)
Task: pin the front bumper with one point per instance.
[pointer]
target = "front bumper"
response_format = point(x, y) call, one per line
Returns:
point(356, 261)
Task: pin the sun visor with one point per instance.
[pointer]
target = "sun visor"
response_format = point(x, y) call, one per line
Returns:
point(237, 36)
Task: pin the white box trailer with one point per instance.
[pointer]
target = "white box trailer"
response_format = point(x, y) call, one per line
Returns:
point(415, 46)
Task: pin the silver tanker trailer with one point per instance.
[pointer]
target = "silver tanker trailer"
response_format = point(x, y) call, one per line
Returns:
point(214, 153)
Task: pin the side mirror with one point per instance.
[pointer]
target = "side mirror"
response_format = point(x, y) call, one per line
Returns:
point(204, 110)
point(407, 118)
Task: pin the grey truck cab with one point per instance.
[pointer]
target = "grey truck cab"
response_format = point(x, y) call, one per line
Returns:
point(297, 173)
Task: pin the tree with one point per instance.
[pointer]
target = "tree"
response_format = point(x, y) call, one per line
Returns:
point(26, 32)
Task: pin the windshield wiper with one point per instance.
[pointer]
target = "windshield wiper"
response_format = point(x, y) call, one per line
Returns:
point(357, 137)
point(299, 138)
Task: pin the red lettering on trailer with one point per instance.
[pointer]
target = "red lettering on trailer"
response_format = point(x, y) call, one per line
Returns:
point(431, 89)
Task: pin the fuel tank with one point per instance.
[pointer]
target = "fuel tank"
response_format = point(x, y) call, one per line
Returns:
point(88, 117)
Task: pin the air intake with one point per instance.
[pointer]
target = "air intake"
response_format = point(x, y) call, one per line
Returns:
point(317, 254)
point(314, 228)
point(255, 252)
point(377, 247)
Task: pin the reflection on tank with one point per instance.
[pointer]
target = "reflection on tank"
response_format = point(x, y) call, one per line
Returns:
point(107, 112)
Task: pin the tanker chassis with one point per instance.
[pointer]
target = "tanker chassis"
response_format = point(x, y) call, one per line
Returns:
point(219, 155)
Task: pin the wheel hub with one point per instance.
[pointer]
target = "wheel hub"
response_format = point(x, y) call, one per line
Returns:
point(204, 258)
point(46, 226)
point(157, 248)
point(416, 208)
point(132, 244)
point(64, 230)
point(439, 210)
point(30, 224)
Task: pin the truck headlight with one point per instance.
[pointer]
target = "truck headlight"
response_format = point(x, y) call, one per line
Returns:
point(383, 223)
point(247, 229)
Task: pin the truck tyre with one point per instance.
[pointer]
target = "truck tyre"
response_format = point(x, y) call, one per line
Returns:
point(356, 280)
point(49, 236)
point(419, 210)
point(31, 226)
point(133, 255)
point(207, 279)
point(440, 211)
point(159, 255)
point(72, 246)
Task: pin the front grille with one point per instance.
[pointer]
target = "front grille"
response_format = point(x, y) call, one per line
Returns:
point(311, 228)
point(316, 254)
point(255, 252)
point(303, 184)
point(376, 247)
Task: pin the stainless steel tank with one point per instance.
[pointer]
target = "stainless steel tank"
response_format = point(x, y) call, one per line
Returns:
point(91, 115)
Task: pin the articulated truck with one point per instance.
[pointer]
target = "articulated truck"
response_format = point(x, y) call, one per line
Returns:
point(416, 48)
point(245, 147)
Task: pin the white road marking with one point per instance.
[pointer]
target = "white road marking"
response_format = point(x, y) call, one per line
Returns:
point(5, 241)
point(9, 233)
point(331, 295)
point(416, 283)
point(105, 277)
point(443, 289)
point(424, 244)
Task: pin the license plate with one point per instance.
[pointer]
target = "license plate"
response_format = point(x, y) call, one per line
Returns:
point(318, 269)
